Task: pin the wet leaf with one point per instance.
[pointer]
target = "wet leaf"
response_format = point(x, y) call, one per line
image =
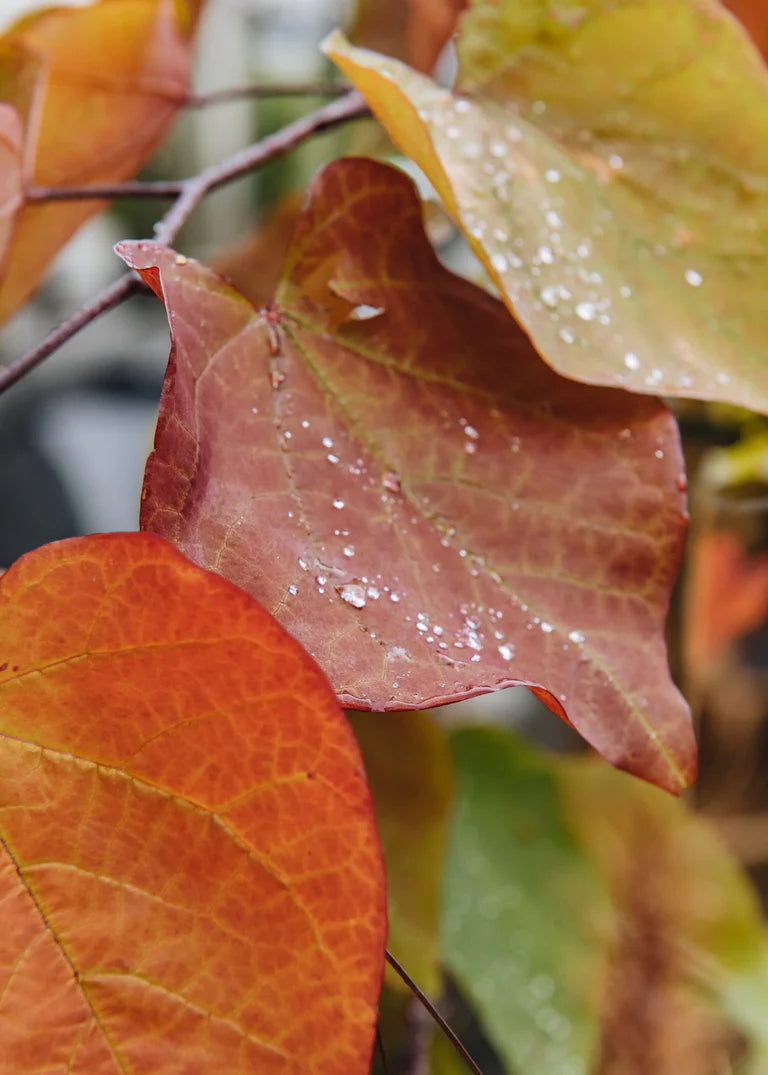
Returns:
point(594, 923)
point(97, 88)
point(590, 155)
point(754, 15)
point(410, 775)
point(385, 463)
point(189, 871)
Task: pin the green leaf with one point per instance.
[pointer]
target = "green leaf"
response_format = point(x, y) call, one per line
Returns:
point(609, 166)
point(596, 924)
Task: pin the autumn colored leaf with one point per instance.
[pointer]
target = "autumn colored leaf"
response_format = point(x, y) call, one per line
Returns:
point(754, 15)
point(414, 30)
point(190, 877)
point(727, 596)
point(410, 774)
point(383, 461)
point(591, 155)
point(595, 925)
point(96, 88)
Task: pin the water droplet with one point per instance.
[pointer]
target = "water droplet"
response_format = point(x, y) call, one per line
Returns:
point(631, 361)
point(538, 108)
point(349, 550)
point(615, 161)
point(547, 628)
point(576, 636)
point(327, 442)
point(364, 312)
point(332, 458)
point(500, 235)
point(695, 279)
point(550, 296)
point(452, 131)
point(497, 148)
point(461, 104)
point(552, 175)
point(545, 255)
point(293, 590)
point(722, 378)
point(499, 263)
point(338, 503)
point(394, 597)
point(586, 311)
point(659, 454)
point(471, 432)
point(625, 292)
point(553, 220)
point(506, 652)
point(566, 335)
point(354, 594)
point(180, 259)
point(654, 377)
point(305, 424)
point(276, 378)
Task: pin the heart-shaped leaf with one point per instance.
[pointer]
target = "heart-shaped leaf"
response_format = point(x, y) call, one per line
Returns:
point(384, 462)
point(608, 164)
point(96, 89)
point(190, 877)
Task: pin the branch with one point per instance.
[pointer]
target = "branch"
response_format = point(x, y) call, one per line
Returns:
point(350, 106)
point(427, 1003)
point(107, 299)
point(188, 193)
point(258, 90)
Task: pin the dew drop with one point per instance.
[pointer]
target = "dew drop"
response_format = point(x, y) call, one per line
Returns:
point(354, 594)
point(615, 161)
point(576, 636)
point(552, 175)
point(499, 263)
point(566, 335)
point(659, 453)
point(293, 590)
point(545, 255)
point(547, 628)
point(586, 311)
point(695, 279)
point(631, 361)
point(394, 597)
point(722, 378)
point(497, 148)
point(332, 458)
point(461, 104)
point(553, 220)
point(338, 503)
point(364, 312)
point(349, 550)
point(506, 652)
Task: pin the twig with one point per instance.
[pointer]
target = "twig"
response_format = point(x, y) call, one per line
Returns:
point(190, 191)
point(107, 299)
point(427, 1003)
point(188, 194)
point(266, 89)
point(382, 1054)
point(350, 106)
point(102, 191)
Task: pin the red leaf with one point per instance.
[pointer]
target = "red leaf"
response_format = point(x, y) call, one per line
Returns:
point(190, 877)
point(423, 503)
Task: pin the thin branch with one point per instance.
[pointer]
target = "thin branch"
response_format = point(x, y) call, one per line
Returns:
point(190, 191)
point(258, 90)
point(382, 1053)
point(107, 299)
point(188, 194)
point(106, 191)
point(427, 1003)
point(350, 106)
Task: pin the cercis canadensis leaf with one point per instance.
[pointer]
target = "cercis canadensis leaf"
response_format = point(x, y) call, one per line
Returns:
point(590, 153)
point(384, 462)
point(190, 877)
point(94, 90)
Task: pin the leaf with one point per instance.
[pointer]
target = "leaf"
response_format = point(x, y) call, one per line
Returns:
point(410, 775)
point(190, 875)
point(112, 76)
point(754, 15)
point(415, 30)
point(430, 521)
point(594, 923)
point(590, 155)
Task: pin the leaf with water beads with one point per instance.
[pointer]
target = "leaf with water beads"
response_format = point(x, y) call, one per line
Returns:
point(384, 462)
point(591, 157)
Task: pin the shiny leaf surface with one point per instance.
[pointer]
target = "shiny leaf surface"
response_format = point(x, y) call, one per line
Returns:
point(190, 877)
point(385, 463)
point(590, 154)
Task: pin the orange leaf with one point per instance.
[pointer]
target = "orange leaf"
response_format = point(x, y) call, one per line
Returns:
point(384, 461)
point(190, 878)
point(97, 88)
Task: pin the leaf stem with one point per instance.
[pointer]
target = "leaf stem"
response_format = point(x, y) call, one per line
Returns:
point(435, 1014)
